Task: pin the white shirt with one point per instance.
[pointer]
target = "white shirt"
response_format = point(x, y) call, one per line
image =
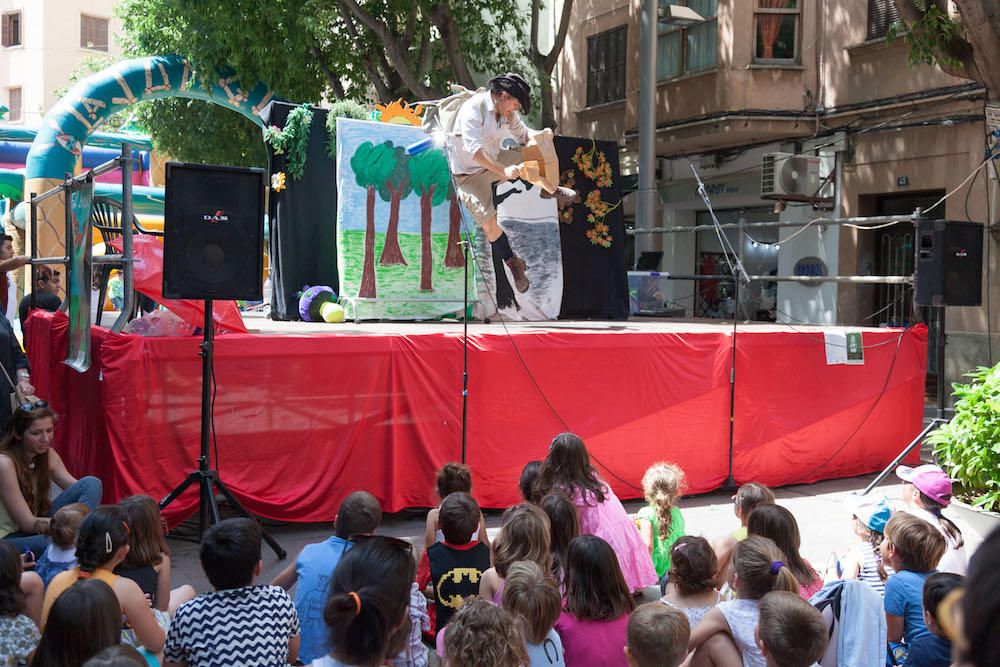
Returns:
point(11, 313)
point(477, 128)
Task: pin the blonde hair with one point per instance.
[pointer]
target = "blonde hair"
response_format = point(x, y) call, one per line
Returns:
point(524, 535)
point(533, 598)
point(920, 545)
point(482, 634)
point(663, 485)
point(760, 566)
point(658, 635)
point(65, 524)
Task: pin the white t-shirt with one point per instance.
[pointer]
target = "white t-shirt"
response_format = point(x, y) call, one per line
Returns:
point(478, 128)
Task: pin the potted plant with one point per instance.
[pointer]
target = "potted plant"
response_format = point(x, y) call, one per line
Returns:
point(968, 448)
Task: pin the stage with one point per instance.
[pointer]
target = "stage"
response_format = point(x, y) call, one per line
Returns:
point(307, 413)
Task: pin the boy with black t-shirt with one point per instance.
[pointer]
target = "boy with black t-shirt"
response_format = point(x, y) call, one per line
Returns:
point(453, 567)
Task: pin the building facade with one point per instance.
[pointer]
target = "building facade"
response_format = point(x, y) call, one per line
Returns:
point(42, 42)
point(817, 80)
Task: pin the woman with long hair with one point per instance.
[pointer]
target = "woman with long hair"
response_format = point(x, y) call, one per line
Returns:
point(28, 467)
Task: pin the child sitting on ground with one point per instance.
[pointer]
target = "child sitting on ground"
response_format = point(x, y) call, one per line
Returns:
point(18, 634)
point(533, 598)
point(691, 588)
point(237, 623)
point(147, 562)
point(657, 637)
point(309, 573)
point(598, 602)
point(912, 547)
point(748, 497)
point(454, 567)
point(778, 524)
point(864, 560)
point(101, 545)
point(567, 470)
point(927, 491)
point(791, 632)
point(661, 522)
point(564, 525)
point(451, 478)
point(726, 635)
point(933, 649)
point(484, 635)
point(524, 535)
point(60, 555)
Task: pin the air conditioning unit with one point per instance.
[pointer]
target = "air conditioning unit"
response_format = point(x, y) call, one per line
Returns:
point(790, 177)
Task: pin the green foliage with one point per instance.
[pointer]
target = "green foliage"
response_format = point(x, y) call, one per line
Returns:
point(929, 38)
point(292, 140)
point(373, 163)
point(430, 170)
point(202, 132)
point(342, 109)
point(968, 447)
point(399, 179)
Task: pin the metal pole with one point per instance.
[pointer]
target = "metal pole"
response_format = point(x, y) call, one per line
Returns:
point(465, 348)
point(902, 455)
point(940, 346)
point(127, 279)
point(646, 196)
point(730, 480)
point(830, 222)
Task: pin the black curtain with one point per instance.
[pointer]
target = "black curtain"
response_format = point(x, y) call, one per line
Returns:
point(595, 285)
point(303, 237)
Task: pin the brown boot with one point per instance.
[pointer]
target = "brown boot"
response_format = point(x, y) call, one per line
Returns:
point(562, 194)
point(517, 268)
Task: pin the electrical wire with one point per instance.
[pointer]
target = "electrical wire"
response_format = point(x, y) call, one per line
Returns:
point(959, 186)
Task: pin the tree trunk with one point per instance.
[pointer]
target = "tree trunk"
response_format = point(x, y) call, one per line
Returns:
point(454, 256)
point(982, 29)
point(367, 290)
point(426, 258)
point(392, 254)
point(548, 108)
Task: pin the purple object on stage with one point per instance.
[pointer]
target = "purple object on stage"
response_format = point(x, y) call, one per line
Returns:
point(311, 300)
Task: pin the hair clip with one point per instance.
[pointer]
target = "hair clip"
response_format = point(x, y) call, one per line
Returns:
point(108, 547)
point(357, 602)
point(776, 566)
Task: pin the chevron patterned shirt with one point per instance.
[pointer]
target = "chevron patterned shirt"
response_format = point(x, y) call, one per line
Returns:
point(247, 626)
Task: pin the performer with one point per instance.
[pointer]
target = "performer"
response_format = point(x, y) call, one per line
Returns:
point(479, 161)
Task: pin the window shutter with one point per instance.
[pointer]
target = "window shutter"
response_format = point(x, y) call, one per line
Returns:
point(881, 15)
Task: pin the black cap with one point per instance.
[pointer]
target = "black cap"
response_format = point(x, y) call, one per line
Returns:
point(514, 85)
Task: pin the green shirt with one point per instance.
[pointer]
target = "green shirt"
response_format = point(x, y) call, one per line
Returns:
point(661, 543)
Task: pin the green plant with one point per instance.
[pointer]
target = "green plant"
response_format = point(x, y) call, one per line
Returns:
point(292, 140)
point(928, 39)
point(968, 447)
point(342, 109)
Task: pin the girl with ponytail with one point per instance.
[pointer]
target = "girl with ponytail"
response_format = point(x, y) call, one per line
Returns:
point(366, 610)
point(927, 491)
point(101, 545)
point(726, 633)
point(661, 522)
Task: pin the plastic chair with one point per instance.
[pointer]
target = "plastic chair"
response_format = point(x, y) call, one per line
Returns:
point(106, 217)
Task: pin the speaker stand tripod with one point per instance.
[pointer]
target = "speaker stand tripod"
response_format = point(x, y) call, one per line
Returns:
point(208, 480)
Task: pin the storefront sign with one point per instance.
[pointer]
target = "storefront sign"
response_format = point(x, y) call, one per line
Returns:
point(810, 266)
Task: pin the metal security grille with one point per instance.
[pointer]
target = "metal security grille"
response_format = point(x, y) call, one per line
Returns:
point(895, 259)
point(606, 56)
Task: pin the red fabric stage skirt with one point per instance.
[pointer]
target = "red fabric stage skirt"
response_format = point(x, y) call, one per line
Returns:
point(301, 421)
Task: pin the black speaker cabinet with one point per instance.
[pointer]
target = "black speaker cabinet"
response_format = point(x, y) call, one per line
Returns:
point(213, 234)
point(949, 263)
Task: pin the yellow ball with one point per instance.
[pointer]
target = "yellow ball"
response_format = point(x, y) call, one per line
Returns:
point(332, 312)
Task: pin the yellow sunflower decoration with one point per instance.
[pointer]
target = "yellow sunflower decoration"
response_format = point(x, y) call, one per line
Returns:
point(399, 112)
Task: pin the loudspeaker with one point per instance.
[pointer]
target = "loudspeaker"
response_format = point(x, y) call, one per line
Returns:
point(213, 234)
point(949, 263)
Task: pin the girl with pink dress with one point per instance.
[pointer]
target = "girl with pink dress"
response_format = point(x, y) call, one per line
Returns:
point(567, 470)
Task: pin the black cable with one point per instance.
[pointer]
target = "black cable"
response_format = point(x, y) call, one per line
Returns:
point(215, 390)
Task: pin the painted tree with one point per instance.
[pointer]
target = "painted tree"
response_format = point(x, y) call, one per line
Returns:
point(392, 190)
point(372, 165)
point(454, 256)
point(966, 47)
point(431, 178)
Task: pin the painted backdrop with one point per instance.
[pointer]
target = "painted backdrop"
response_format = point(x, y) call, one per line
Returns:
point(398, 225)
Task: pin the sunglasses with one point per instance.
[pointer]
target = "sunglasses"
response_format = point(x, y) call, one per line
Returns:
point(28, 407)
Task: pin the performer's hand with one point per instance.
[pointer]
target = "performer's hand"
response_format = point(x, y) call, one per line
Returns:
point(513, 172)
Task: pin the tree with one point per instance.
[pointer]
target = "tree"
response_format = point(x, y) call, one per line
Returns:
point(544, 64)
point(372, 165)
point(969, 48)
point(392, 190)
point(431, 178)
point(454, 255)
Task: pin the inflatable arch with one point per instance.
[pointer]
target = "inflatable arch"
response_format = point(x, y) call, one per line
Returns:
point(83, 110)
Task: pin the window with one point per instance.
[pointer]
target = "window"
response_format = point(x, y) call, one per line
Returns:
point(11, 29)
point(14, 103)
point(881, 15)
point(685, 50)
point(93, 33)
point(606, 66)
point(777, 31)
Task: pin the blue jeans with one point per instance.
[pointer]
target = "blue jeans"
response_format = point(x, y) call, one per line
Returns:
point(86, 490)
